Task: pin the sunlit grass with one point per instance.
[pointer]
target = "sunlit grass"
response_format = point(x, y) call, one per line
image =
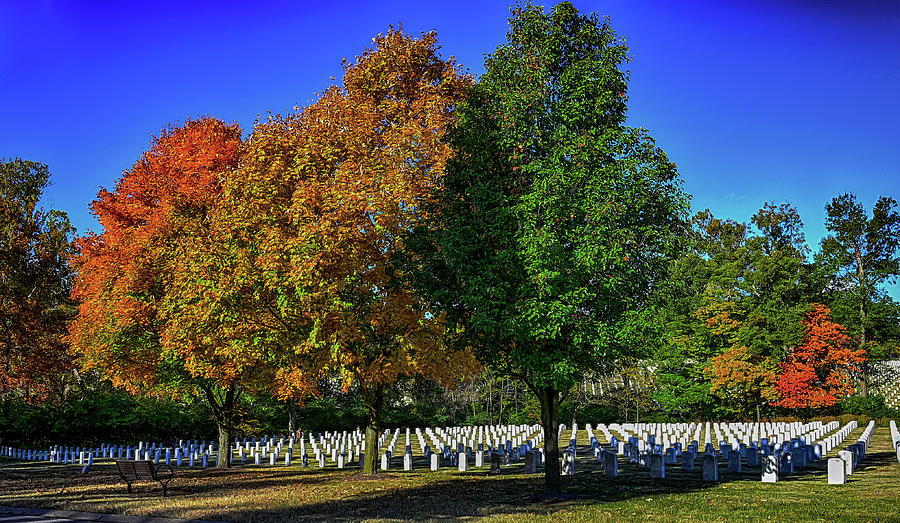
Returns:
point(288, 494)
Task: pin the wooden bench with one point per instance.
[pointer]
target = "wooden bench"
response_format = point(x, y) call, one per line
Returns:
point(131, 470)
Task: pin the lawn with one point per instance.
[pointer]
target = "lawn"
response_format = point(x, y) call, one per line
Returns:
point(288, 494)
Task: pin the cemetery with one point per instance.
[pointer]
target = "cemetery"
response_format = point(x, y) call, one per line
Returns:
point(806, 470)
point(527, 269)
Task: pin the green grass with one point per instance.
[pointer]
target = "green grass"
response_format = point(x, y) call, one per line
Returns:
point(289, 494)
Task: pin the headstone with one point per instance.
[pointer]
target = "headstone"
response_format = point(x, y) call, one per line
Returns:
point(710, 468)
point(847, 457)
point(435, 461)
point(495, 463)
point(786, 463)
point(568, 464)
point(463, 462)
point(837, 472)
point(734, 461)
point(687, 461)
point(610, 464)
point(657, 466)
point(479, 458)
point(799, 456)
point(769, 468)
point(670, 456)
point(530, 467)
point(407, 461)
point(752, 457)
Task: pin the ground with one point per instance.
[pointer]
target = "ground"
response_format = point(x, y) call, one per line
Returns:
point(289, 494)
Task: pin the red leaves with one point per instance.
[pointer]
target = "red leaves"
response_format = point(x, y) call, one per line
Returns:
point(819, 371)
point(123, 273)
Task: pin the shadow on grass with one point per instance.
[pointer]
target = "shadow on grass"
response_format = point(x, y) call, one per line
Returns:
point(402, 495)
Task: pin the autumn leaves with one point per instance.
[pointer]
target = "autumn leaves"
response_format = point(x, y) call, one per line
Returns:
point(264, 264)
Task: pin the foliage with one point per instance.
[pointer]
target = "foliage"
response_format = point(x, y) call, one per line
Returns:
point(556, 218)
point(103, 417)
point(742, 376)
point(131, 277)
point(872, 406)
point(34, 286)
point(819, 372)
point(861, 253)
point(319, 211)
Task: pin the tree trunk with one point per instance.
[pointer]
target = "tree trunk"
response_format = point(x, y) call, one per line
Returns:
point(549, 398)
point(224, 413)
point(292, 416)
point(374, 402)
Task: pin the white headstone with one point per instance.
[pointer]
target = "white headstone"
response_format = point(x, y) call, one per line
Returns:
point(837, 472)
point(769, 468)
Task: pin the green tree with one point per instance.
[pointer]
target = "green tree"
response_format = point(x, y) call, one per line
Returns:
point(556, 218)
point(861, 253)
point(704, 277)
point(34, 285)
point(775, 282)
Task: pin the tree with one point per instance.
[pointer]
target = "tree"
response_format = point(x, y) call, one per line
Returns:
point(744, 377)
point(700, 285)
point(127, 276)
point(34, 285)
point(319, 213)
point(733, 307)
point(861, 252)
point(556, 219)
point(819, 372)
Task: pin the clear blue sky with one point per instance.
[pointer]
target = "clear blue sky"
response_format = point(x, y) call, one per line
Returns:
point(754, 100)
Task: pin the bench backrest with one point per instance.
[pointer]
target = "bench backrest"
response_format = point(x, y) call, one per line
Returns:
point(136, 469)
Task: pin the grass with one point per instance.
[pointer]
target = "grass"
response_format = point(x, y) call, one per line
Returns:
point(281, 494)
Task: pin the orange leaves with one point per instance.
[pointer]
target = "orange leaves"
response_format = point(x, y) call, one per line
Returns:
point(357, 168)
point(741, 374)
point(125, 274)
point(819, 372)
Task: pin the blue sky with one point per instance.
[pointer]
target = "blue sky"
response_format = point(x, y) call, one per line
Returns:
point(755, 101)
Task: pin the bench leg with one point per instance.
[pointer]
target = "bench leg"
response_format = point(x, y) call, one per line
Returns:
point(128, 487)
point(164, 488)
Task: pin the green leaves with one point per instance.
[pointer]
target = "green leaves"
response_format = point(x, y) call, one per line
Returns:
point(34, 284)
point(556, 217)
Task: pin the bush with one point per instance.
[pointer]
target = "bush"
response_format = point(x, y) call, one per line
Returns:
point(872, 406)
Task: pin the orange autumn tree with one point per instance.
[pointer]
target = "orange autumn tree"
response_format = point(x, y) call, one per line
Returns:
point(744, 377)
point(820, 371)
point(155, 215)
point(739, 374)
point(319, 211)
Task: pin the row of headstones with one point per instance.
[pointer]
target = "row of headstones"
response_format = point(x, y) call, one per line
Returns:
point(342, 454)
point(848, 459)
point(777, 458)
point(266, 448)
point(731, 432)
point(449, 443)
point(806, 432)
point(86, 456)
point(895, 438)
